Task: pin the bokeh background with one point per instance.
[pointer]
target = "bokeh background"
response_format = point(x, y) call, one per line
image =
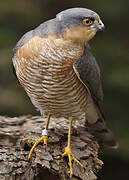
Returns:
point(110, 48)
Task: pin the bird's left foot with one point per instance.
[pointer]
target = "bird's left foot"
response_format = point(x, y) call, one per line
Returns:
point(44, 139)
point(70, 157)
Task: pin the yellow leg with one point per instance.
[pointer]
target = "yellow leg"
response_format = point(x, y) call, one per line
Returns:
point(44, 138)
point(68, 151)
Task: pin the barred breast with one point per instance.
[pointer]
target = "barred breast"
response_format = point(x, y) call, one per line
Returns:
point(44, 67)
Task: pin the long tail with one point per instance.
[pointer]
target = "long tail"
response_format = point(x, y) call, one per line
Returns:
point(97, 126)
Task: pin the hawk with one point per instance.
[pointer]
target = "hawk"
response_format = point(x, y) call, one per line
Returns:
point(55, 66)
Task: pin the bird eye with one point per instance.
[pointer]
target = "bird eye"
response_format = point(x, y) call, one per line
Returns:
point(87, 21)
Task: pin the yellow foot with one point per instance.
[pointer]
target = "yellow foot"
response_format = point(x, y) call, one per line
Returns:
point(71, 157)
point(44, 139)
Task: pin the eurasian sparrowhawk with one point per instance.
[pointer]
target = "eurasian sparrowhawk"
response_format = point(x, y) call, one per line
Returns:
point(55, 66)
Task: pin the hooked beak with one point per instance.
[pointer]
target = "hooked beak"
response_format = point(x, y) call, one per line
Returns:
point(101, 26)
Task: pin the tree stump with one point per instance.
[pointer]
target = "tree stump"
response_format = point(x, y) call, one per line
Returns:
point(14, 164)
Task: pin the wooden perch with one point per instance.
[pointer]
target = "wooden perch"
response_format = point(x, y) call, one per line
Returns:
point(44, 163)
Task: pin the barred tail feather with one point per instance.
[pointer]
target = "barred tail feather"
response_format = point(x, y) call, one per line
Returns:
point(98, 127)
point(103, 134)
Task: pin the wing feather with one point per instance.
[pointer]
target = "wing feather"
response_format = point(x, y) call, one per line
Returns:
point(88, 72)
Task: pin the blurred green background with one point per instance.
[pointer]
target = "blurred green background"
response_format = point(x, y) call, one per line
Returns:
point(110, 48)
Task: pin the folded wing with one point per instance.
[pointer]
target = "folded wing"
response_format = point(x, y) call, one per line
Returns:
point(88, 72)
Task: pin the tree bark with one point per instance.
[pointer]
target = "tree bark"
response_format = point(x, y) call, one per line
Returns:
point(44, 164)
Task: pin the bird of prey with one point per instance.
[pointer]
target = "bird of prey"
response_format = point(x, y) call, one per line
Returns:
point(55, 66)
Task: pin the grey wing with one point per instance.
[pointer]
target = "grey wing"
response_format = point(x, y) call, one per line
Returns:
point(88, 72)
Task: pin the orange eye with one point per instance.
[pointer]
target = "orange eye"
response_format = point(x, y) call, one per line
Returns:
point(87, 22)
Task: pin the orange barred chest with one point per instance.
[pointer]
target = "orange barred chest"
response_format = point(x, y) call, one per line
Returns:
point(45, 70)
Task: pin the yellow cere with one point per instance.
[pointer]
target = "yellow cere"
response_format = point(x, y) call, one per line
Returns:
point(100, 22)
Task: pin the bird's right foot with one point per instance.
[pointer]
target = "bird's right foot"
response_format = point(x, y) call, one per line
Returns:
point(44, 139)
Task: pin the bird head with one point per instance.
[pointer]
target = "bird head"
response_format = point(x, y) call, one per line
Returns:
point(79, 24)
